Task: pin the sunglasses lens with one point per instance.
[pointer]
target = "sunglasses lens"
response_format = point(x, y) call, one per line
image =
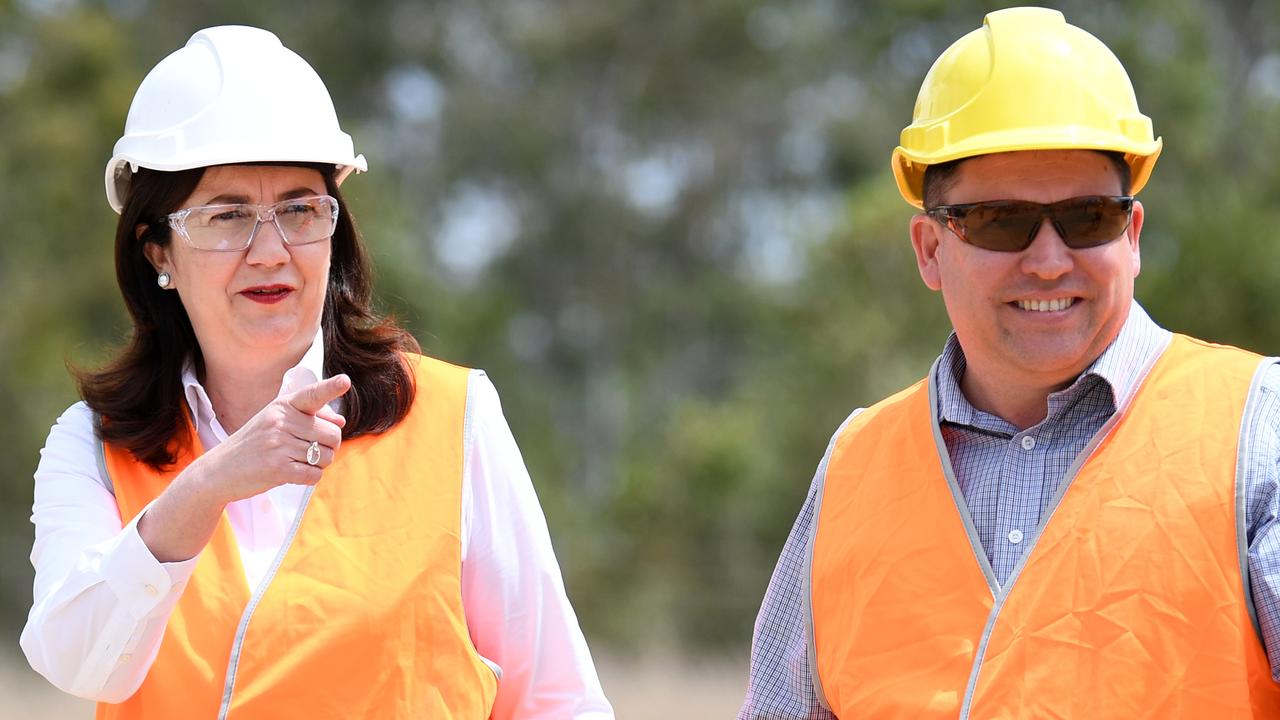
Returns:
point(1092, 221)
point(1011, 225)
point(1003, 226)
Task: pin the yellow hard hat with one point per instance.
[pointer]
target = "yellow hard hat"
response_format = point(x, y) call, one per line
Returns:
point(1026, 80)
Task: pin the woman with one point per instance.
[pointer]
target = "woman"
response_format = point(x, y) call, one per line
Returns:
point(269, 505)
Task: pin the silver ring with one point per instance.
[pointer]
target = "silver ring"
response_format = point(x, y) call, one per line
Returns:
point(313, 453)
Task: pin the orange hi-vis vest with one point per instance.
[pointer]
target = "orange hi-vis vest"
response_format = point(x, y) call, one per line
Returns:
point(361, 617)
point(1133, 601)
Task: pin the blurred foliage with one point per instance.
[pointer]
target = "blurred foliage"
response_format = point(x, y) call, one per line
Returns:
point(667, 230)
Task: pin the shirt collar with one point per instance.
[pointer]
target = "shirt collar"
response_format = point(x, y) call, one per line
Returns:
point(1120, 367)
point(308, 370)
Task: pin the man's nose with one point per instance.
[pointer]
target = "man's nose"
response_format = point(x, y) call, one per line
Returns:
point(1047, 257)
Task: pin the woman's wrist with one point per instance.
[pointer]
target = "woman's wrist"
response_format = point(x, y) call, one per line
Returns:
point(179, 523)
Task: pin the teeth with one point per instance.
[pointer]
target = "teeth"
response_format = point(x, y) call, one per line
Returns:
point(1046, 305)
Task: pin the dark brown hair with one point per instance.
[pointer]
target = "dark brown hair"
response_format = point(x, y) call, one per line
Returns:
point(138, 395)
point(938, 179)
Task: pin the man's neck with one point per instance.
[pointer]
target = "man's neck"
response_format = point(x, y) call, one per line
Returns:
point(1022, 404)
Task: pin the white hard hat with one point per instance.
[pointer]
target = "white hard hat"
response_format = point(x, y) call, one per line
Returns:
point(234, 94)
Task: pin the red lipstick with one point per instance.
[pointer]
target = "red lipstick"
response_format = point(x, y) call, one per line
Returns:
point(267, 294)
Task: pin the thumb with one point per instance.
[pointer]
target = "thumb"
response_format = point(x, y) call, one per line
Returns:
point(311, 398)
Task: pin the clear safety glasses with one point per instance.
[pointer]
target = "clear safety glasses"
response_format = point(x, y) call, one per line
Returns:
point(228, 228)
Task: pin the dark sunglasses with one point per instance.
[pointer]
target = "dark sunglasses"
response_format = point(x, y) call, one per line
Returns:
point(1011, 225)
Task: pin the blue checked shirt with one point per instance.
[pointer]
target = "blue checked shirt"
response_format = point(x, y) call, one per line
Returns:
point(1009, 478)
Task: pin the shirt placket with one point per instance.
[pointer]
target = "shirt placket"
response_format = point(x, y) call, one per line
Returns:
point(1022, 475)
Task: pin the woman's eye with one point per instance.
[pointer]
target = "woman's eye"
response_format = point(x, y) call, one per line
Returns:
point(229, 216)
point(299, 209)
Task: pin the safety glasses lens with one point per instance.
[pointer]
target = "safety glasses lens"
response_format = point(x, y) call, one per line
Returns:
point(232, 227)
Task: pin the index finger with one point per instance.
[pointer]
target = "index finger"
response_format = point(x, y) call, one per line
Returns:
point(316, 395)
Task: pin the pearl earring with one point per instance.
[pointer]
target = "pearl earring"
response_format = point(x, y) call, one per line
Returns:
point(163, 280)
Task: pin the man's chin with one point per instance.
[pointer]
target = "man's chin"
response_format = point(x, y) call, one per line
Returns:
point(1054, 364)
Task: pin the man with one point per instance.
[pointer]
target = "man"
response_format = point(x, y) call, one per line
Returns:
point(1072, 515)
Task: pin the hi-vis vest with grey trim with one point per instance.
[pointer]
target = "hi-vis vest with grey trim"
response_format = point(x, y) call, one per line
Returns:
point(1132, 603)
point(361, 615)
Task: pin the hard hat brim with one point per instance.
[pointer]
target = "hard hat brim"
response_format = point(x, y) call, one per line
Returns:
point(908, 167)
point(120, 169)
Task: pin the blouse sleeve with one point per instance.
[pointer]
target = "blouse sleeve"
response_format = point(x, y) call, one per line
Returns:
point(518, 614)
point(101, 600)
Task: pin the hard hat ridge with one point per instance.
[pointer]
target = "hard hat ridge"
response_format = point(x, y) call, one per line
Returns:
point(232, 94)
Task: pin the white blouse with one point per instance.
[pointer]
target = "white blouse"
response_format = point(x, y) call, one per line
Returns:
point(102, 600)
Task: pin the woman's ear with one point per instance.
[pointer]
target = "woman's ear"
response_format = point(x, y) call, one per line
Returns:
point(156, 255)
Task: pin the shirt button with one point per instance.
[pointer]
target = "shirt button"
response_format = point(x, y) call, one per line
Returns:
point(151, 590)
point(1015, 536)
point(1028, 442)
point(126, 657)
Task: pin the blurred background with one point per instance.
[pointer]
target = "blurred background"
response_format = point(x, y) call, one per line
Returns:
point(667, 230)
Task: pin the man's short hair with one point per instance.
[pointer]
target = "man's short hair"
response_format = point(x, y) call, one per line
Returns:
point(940, 178)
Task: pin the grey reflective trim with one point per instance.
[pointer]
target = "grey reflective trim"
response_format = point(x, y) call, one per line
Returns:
point(1242, 531)
point(468, 440)
point(494, 667)
point(806, 592)
point(234, 662)
point(468, 418)
point(100, 454)
point(957, 497)
point(1122, 410)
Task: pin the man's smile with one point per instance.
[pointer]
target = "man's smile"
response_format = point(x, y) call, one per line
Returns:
point(1053, 305)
